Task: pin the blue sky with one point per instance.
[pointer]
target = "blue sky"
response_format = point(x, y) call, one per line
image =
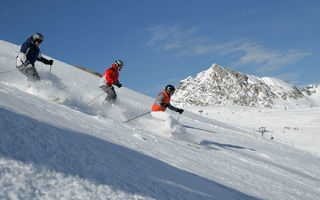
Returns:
point(164, 41)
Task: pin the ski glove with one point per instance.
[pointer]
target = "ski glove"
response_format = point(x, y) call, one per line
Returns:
point(119, 85)
point(180, 111)
point(50, 62)
point(165, 105)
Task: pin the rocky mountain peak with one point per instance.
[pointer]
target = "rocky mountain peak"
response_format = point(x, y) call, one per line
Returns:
point(311, 90)
point(221, 86)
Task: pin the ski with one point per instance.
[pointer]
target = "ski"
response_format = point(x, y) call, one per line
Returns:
point(194, 145)
point(59, 100)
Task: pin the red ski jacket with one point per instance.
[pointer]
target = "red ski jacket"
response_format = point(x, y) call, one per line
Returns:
point(111, 75)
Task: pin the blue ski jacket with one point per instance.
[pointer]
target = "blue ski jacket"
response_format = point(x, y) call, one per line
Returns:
point(32, 52)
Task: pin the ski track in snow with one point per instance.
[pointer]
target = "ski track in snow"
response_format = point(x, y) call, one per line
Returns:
point(66, 149)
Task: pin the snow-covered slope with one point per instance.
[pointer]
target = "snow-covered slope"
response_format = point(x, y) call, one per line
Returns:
point(66, 149)
point(220, 86)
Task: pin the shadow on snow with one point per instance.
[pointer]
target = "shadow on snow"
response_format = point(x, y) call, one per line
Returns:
point(75, 154)
point(199, 129)
point(221, 145)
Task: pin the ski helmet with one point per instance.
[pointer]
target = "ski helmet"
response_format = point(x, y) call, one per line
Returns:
point(170, 88)
point(37, 37)
point(119, 63)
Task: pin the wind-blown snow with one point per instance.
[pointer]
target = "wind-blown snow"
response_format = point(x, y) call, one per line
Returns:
point(66, 149)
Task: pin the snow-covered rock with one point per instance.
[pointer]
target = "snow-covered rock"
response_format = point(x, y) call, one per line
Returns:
point(221, 86)
point(312, 92)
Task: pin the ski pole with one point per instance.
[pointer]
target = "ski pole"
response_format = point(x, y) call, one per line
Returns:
point(95, 98)
point(178, 117)
point(137, 116)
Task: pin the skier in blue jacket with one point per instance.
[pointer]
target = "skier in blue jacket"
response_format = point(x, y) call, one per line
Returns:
point(28, 55)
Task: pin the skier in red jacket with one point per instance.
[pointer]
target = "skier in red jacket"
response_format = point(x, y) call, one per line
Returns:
point(110, 78)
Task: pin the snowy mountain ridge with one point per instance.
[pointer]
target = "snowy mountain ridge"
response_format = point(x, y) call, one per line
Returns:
point(221, 86)
point(312, 92)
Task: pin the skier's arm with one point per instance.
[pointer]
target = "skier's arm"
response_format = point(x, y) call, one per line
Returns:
point(119, 85)
point(108, 76)
point(116, 81)
point(171, 107)
point(179, 110)
point(159, 99)
point(159, 102)
point(44, 60)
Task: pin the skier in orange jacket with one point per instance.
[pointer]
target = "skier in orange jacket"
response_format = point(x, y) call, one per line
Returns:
point(160, 105)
